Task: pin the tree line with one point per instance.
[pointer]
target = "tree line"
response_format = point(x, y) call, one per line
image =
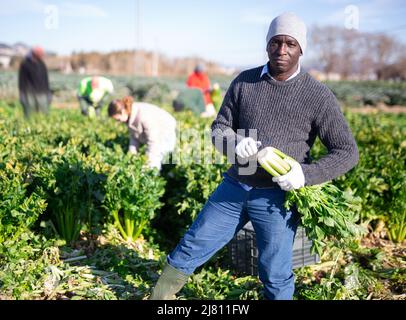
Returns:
point(352, 53)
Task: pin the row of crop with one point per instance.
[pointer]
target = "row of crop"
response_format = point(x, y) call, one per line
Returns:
point(379, 178)
point(76, 174)
point(64, 87)
point(361, 93)
point(350, 93)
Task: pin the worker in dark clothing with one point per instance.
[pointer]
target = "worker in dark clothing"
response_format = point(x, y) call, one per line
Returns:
point(33, 83)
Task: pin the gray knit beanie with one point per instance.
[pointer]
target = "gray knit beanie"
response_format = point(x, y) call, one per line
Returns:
point(288, 24)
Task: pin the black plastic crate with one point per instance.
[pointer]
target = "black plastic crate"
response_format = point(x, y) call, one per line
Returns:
point(243, 252)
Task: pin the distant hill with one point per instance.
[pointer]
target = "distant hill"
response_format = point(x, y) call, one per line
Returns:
point(140, 62)
point(125, 62)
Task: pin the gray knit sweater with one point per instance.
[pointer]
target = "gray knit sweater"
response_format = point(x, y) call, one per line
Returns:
point(288, 115)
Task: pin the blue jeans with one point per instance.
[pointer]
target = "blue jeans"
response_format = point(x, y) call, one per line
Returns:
point(227, 210)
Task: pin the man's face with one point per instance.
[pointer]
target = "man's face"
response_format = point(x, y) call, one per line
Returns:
point(283, 53)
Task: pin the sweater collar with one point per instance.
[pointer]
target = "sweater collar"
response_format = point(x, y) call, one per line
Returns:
point(265, 70)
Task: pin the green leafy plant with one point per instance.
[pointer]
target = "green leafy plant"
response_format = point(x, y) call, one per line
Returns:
point(74, 191)
point(19, 210)
point(132, 196)
point(379, 179)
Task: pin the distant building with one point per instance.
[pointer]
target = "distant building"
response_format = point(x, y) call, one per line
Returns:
point(4, 61)
point(21, 49)
point(7, 53)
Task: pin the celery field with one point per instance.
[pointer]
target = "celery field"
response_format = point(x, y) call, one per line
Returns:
point(82, 219)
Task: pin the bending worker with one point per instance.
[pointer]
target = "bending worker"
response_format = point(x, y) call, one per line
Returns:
point(93, 93)
point(147, 124)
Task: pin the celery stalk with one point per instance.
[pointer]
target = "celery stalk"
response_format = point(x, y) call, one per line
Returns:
point(274, 161)
point(268, 168)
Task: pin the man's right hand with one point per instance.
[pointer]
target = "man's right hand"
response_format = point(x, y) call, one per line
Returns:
point(247, 147)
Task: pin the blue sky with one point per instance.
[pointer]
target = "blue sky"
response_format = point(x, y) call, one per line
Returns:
point(231, 32)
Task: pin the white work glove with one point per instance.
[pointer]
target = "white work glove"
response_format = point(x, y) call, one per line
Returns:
point(294, 179)
point(247, 147)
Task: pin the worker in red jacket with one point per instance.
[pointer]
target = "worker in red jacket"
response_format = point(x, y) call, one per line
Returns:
point(199, 79)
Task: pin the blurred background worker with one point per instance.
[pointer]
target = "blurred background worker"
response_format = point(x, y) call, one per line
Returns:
point(200, 80)
point(93, 93)
point(33, 83)
point(147, 124)
point(216, 96)
point(189, 99)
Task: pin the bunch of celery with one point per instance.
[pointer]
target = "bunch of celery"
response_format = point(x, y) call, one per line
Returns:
point(326, 212)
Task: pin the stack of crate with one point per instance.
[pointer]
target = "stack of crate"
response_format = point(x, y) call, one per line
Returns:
point(243, 252)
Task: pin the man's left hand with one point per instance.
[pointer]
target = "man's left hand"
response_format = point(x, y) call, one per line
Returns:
point(294, 179)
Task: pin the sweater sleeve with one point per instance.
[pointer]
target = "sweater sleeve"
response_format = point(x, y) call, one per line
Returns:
point(224, 127)
point(335, 134)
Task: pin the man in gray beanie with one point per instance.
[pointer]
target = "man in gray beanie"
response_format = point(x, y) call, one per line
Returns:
point(279, 105)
